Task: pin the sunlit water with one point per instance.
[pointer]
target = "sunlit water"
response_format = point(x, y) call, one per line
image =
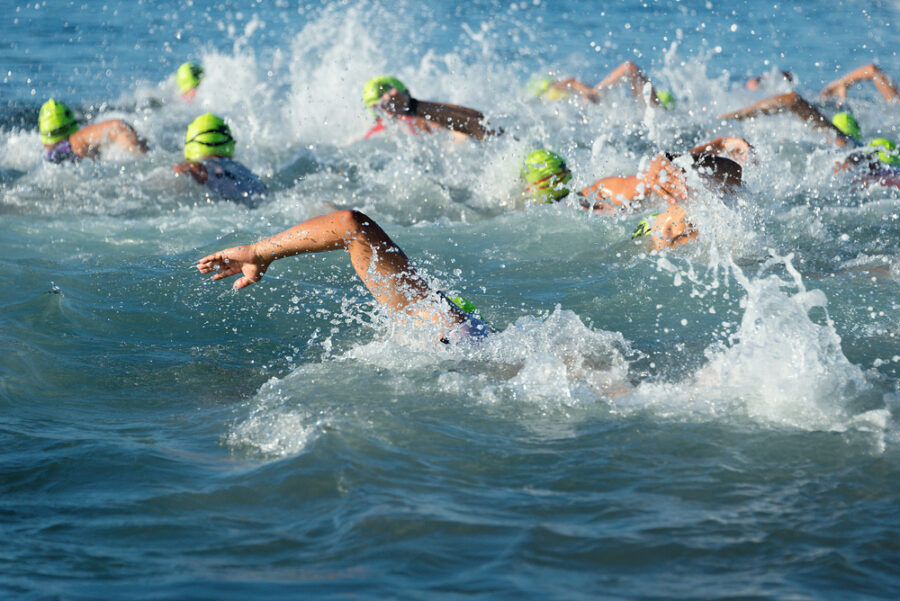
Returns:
point(715, 422)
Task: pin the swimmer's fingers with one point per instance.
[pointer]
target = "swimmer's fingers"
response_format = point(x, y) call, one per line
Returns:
point(665, 194)
point(232, 261)
point(670, 185)
point(220, 263)
point(252, 274)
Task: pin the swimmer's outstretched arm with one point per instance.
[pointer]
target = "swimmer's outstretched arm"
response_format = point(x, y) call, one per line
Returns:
point(378, 262)
point(451, 116)
point(792, 102)
point(90, 139)
point(838, 88)
point(615, 193)
point(576, 85)
point(633, 76)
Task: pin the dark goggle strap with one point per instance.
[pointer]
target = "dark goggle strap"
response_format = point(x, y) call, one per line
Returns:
point(60, 130)
point(223, 130)
point(545, 182)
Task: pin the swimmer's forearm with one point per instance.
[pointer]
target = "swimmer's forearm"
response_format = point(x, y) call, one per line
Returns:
point(770, 106)
point(616, 189)
point(576, 85)
point(885, 85)
point(632, 74)
point(458, 118)
point(319, 234)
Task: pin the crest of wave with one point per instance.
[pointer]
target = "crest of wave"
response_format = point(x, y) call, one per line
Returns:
point(781, 367)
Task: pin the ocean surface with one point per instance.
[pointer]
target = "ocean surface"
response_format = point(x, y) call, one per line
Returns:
point(715, 422)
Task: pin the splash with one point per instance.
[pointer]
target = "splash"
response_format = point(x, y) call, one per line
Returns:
point(553, 364)
point(781, 367)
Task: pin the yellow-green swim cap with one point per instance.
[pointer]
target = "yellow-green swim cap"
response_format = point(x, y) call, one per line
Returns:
point(188, 76)
point(666, 100)
point(208, 135)
point(847, 124)
point(537, 85)
point(377, 87)
point(546, 174)
point(889, 154)
point(56, 122)
point(463, 304)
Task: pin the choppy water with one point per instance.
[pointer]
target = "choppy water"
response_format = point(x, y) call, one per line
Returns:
point(717, 422)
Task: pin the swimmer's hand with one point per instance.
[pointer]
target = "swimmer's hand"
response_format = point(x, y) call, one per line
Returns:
point(836, 89)
point(195, 169)
point(736, 149)
point(666, 180)
point(235, 260)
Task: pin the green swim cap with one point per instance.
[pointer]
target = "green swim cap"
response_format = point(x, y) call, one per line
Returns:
point(546, 173)
point(890, 157)
point(188, 76)
point(847, 124)
point(463, 304)
point(56, 122)
point(666, 100)
point(644, 226)
point(377, 87)
point(208, 135)
point(538, 85)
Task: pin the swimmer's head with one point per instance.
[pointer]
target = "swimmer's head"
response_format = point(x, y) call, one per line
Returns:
point(188, 76)
point(546, 174)
point(377, 87)
point(208, 135)
point(847, 124)
point(889, 154)
point(543, 87)
point(464, 305)
point(56, 122)
point(539, 85)
point(666, 100)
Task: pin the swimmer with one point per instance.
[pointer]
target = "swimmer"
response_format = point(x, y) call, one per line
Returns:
point(546, 176)
point(188, 78)
point(879, 163)
point(841, 134)
point(663, 178)
point(386, 96)
point(65, 141)
point(838, 88)
point(864, 167)
point(670, 227)
point(379, 262)
point(628, 72)
point(208, 148)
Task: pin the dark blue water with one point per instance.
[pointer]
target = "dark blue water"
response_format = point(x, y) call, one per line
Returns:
point(717, 422)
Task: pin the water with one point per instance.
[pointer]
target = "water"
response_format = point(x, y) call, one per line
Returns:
point(715, 422)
